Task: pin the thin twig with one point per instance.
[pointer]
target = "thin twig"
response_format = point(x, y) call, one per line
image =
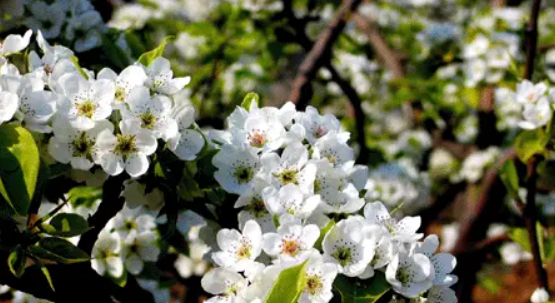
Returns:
point(530, 212)
point(319, 54)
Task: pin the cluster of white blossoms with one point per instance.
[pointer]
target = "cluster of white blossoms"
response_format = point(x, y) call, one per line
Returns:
point(535, 103)
point(295, 174)
point(112, 120)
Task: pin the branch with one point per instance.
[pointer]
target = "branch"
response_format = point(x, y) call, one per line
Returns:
point(387, 55)
point(319, 54)
point(530, 212)
point(360, 118)
point(484, 245)
point(112, 203)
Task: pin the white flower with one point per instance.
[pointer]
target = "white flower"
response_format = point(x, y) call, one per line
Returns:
point(477, 47)
point(402, 231)
point(440, 294)
point(291, 168)
point(316, 125)
point(237, 167)
point(334, 148)
point(239, 250)
point(319, 280)
point(527, 92)
point(160, 77)
point(443, 263)
point(540, 295)
point(292, 240)
point(49, 18)
point(187, 142)
point(14, 43)
point(127, 150)
point(140, 247)
point(410, 274)
point(86, 101)
point(512, 253)
point(106, 255)
point(260, 133)
point(253, 207)
point(129, 78)
point(536, 115)
point(153, 113)
point(346, 246)
point(9, 102)
point(225, 283)
point(69, 145)
point(289, 200)
point(132, 221)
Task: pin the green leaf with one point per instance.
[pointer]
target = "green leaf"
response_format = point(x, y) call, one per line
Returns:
point(289, 285)
point(75, 61)
point(529, 143)
point(58, 250)
point(66, 225)
point(323, 231)
point(19, 166)
point(113, 52)
point(48, 277)
point(549, 249)
point(541, 240)
point(520, 236)
point(250, 100)
point(147, 58)
point(16, 261)
point(509, 177)
point(361, 291)
point(84, 195)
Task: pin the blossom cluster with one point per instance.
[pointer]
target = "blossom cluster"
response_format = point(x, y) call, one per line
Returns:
point(295, 175)
point(112, 120)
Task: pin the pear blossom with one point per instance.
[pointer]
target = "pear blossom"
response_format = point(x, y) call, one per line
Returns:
point(9, 102)
point(140, 247)
point(86, 101)
point(540, 295)
point(289, 200)
point(187, 142)
point(319, 280)
point(239, 250)
point(69, 145)
point(536, 115)
point(291, 241)
point(316, 125)
point(529, 93)
point(237, 167)
point(13, 44)
point(253, 206)
point(333, 147)
point(410, 274)
point(106, 255)
point(440, 294)
point(443, 263)
point(129, 78)
point(160, 77)
point(152, 113)
point(128, 150)
point(402, 231)
point(226, 283)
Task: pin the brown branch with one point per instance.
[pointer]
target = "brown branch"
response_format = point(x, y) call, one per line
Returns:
point(530, 212)
point(384, 53)
point(319, 54)
point(484, 245)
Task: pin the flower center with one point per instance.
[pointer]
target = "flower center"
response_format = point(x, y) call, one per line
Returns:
point(314, 284)
point(403, 275)
point(82, 146)
point(257, 139)
point(148, 120)
point(288, 176)
point(125, 145)
point(343, 255)
point(320, 131)
point(243, 174)
point(244, 252)
point(120, 95)
point(290, 247)
point(86, 109)
point(317, 186)
point(257, 208)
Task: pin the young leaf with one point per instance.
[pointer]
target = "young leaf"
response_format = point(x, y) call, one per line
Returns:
point(509, 177)
point(66, 225)
point(58, 250)
point(147, 58)
point(250, 100)
point(367, 291)
point(84, 195)
point(16, 262)
point(529, 143)
point(323, 231)
point(289, 285)
point(19, 166)
point(75, 61)
point(520, 236)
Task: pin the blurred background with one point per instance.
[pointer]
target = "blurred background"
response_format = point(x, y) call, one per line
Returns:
point(422, 85)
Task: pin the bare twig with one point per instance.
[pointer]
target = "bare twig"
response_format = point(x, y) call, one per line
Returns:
point(319, 54)
point(530, 212)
